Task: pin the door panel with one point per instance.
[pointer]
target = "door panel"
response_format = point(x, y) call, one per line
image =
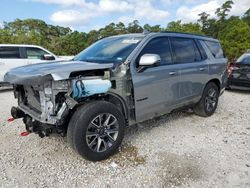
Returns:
point(193, 68)
point(7, 64)
point(156, 91)
point(3, 69)
point(193, 77)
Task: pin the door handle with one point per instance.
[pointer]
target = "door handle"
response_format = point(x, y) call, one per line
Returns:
point(172, 73)
point(202, 69)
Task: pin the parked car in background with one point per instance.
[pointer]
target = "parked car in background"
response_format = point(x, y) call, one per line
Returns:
point(116, 82)
point(239, 73)
point(15, 55)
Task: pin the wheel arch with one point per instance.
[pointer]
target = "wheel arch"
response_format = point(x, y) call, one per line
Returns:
point(216, 81)
point(111, 97)
point(119, 102)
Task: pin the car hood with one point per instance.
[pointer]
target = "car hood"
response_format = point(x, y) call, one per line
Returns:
point(36, 73)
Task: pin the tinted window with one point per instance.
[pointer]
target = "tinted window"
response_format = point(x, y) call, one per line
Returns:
point(159, 46)
point(35, 53)
point(244, 59)
point(202, 51)
point(215, 49)
point(185, 50)
point(109, 50)
point(9, 52)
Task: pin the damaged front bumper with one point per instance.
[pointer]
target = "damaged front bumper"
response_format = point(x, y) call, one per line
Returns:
point(48, 106)
point(47, 92)
point(46, 118)
point(46, 103)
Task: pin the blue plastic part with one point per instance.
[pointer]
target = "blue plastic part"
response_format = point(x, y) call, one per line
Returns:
point(84, 88)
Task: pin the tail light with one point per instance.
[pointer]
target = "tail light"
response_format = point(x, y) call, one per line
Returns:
point(231, 68)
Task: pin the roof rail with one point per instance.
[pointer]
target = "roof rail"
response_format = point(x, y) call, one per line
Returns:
point(186, 33)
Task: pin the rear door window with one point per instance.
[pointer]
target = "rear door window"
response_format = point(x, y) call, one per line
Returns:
point(35, 53)
point(9, 53)
point(201, 49)
point(160, 46)
point(244, 59)
point(185, 50)
point(215, 49)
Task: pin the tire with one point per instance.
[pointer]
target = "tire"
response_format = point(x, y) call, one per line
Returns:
point(204, 109)
point(228, 88)
point(96, 130)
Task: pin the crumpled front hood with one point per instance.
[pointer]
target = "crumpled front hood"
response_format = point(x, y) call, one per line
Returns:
point(35, 73)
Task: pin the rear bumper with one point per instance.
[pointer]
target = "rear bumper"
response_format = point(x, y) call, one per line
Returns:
point(238, 83)
point(240, 88)
point(2, 84)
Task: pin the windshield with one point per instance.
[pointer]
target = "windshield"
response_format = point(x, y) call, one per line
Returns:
point(244, 59)
point(109, 50)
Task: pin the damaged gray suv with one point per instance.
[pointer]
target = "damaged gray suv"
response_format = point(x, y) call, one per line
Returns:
point(116, 82)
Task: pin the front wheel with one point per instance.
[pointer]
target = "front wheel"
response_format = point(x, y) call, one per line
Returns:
point(96, 130)
point(209, 101)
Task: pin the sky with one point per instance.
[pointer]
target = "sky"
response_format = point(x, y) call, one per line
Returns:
point(85, 15)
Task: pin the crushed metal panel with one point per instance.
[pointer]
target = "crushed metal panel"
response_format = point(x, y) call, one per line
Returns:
point(33, 74)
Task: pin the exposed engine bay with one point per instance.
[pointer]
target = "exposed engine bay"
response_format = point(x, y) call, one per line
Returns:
point(49, 93)
point(50, 103)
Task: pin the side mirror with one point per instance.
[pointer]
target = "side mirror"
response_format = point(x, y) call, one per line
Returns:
point(48, 57)
point(148, 60)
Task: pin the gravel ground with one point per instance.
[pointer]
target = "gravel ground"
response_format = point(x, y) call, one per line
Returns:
point(176, 150)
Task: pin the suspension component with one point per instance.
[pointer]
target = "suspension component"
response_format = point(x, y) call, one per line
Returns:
point(16, 113)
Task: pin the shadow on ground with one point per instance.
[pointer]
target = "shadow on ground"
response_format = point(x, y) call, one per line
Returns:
point(157, 122)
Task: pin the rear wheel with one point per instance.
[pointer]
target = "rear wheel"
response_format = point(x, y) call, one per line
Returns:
point(209, 101)
point(96, 130)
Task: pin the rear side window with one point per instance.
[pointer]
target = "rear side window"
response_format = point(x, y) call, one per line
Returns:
point(244, 59)
point(215, 49)
point(9, 52)
point(35, 53)
point(160, 46)
point(185, 50)
point(202, 51)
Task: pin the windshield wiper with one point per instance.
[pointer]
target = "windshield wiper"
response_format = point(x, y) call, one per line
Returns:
point(86, 60)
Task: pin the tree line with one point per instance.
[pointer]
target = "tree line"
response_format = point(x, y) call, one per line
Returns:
point(233, 32)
